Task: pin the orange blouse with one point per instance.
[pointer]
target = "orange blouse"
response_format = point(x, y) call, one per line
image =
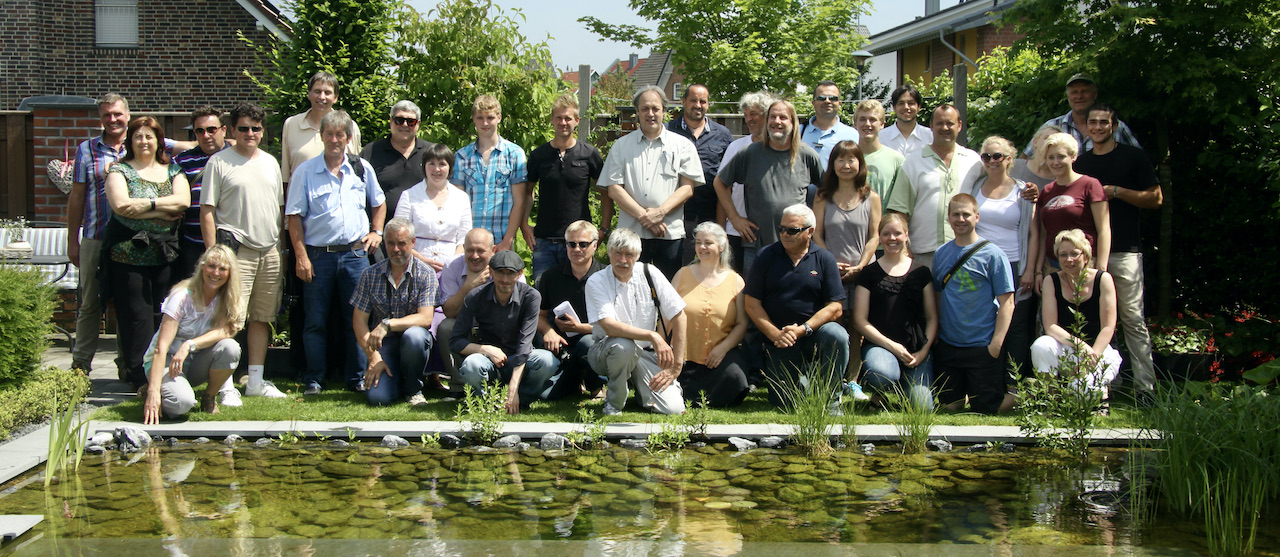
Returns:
point(710, 313)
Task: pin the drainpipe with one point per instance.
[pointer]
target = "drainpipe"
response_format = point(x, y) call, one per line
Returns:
point(943, 39)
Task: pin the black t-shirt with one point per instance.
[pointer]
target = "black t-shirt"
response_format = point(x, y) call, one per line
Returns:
point(558, 284)
point(395, 173)
point(563, 186)
point(1128, 167)
point(896, 305)
point(791, 295)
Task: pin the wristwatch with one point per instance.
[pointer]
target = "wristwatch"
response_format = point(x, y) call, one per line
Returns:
point(386, 323)
point(807, 329)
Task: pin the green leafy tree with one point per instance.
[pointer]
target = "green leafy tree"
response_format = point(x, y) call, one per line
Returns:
point(348, 38)
point(736, 46)
point(464, 48)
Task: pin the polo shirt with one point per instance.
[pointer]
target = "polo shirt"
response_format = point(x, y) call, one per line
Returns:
point(376, 295)
point(923, 189)
point(650, 170)
point(395, 172)
point(891, 137)
point(564, 185)
point(192, 162)
point(1123, 135)
point(509, 327)
point(1127, 167)
point(332, 207)
point(300, 142)
point(967, 305)
point(246, 194)
point(737, 195)
point(792, 294)
point(93, 158)
point(558, 285)
point(631, 302)
point(489, 185)
point(824, 141)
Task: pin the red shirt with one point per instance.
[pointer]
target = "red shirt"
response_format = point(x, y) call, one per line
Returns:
point(1066, 207)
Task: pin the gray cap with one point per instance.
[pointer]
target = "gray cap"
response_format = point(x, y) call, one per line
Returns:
point(1081, 77)
point(506, 260)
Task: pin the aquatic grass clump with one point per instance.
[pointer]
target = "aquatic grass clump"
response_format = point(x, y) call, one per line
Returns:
point(483, 413)
point(66, 437)
point(916, 418)
point(811, 396)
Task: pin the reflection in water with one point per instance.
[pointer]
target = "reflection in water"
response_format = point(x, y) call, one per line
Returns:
point(701, 501)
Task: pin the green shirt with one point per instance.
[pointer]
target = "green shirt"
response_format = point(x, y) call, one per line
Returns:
point(882, 168)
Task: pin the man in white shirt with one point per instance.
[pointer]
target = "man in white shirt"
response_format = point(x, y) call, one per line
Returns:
point(906, 136)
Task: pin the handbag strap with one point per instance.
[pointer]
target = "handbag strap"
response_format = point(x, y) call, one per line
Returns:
point(653, 292)
point(960, 263)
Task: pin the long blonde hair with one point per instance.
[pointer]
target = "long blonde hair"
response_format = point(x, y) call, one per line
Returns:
point(227, 312)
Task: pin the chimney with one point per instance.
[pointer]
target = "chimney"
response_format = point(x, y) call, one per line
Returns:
point(930, 7)
point(635, 59)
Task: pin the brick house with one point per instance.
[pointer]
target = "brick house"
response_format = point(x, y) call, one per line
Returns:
point(162, 55)
point(927, 46)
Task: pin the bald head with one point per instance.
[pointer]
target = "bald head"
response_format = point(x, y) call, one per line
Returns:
point(477, 248)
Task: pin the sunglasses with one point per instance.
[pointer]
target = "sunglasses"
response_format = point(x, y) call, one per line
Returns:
point(829, 98)
point(580, 245)
point(988, 157)
point(208, 131)
point(792, 231)
point(247, 129)
point(403, 121)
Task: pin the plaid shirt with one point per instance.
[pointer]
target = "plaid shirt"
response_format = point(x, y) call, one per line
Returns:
point(93, 158)
point(375, 295)
point(489, 186)
point(1122, 134)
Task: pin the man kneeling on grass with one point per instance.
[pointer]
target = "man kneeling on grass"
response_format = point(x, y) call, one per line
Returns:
point(494, 332)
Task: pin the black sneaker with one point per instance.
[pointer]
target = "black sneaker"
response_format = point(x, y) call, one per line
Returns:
point(311, 390)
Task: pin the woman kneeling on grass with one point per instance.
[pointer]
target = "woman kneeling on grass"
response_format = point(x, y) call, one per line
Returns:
point(200, 317)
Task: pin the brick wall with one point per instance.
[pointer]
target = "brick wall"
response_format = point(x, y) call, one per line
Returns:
point(187, 54)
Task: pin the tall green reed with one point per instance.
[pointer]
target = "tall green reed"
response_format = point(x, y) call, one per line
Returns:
point(66, 437)
point(810, 395)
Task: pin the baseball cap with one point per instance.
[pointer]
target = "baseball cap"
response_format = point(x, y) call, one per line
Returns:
point(1080, 77)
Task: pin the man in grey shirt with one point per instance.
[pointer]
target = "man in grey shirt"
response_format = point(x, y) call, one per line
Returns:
point(775, 173)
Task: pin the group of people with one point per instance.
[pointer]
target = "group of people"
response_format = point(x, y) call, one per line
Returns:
point(804, 250)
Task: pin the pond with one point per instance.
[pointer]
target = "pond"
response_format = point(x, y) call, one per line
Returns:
point(200, 498)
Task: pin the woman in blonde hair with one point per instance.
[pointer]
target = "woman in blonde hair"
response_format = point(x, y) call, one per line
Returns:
point(194, 343)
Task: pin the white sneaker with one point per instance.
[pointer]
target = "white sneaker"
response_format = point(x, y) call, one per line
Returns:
point(609, 410)
point(265, 389)
point(229, 398)
point(417, 400)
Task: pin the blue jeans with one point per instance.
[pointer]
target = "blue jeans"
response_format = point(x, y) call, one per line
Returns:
point(335, 277)
point(539, 380)
point(548, 253)
point(406, 356)
point(884, 372)
point(825, 351)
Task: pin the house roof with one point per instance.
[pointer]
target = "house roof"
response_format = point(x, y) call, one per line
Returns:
point(654, 70)
point(268, 16)
point(968, 14)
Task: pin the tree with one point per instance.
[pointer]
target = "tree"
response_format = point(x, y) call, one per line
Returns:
point(348, 38)
point(465, 48)
point(737, 46)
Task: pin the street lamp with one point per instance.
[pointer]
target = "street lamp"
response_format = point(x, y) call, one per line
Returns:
point(860, 58)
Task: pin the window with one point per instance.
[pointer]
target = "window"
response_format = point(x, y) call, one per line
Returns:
point(116, 24)
point(676, 90)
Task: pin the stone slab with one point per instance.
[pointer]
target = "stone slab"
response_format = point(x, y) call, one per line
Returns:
point(14, 525)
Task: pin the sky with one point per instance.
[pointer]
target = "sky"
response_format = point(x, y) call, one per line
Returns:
point(572, 44)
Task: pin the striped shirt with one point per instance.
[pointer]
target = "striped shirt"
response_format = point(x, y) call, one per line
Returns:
point(490, 185)
point(93, 158)
point(192, 162)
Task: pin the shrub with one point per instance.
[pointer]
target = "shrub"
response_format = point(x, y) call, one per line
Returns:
point(33, 401)
point(26, 316)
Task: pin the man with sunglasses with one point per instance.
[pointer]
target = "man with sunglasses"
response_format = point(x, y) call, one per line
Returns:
point(211, 137)
point(397, 158)
point(794, 296)
point(824, 129)
point(564, 332)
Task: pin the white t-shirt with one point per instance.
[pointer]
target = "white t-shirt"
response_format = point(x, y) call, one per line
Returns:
point(192, 321)
point(999, 222)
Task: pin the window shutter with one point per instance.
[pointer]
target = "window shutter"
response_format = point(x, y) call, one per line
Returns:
point(116, 23)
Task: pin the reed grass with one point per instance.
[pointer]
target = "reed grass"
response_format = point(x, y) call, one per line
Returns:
point(66, 438)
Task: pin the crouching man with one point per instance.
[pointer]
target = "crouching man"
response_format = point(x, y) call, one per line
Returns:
point(623, 306)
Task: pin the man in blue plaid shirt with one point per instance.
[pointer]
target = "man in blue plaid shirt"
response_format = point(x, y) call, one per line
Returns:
point(398, 295)
point(493, 173)
point(1082, 93)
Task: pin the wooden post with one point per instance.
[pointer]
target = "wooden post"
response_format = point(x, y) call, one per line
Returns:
point(584, 102)
point(960, 98)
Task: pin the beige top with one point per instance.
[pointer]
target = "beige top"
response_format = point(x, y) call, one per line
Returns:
point(300, 142)
point(247, 195)
point(710, 312)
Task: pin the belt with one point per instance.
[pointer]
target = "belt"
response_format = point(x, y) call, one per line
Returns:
point(339, 248)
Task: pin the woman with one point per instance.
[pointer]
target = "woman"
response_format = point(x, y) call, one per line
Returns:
point(1072, 201)
point(1087, 335)
point(300, 139)
point(895, 310)
point(148, 194)
point(1008, 221)
point(1033, 171)
point(194, 343)
point(848, 215)
point(714, 366)
point(440, 211)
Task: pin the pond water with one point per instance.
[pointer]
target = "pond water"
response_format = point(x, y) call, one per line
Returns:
point(200, 499)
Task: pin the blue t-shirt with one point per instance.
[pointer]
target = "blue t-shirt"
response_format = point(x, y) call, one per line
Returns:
point(791, 295)
point(968, 306)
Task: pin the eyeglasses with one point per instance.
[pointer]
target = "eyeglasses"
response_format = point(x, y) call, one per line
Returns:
point(792, 231)
point(1070, 255)
point(208, 131)
point(828, 98)
point(247, 129)
point(403, 121)
point(988, 157)
point(580, 245)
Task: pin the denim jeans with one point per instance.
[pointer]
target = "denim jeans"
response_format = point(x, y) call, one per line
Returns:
point(537, 383)
point(825, 351)
point(885, 372)
point(406, 356)
point(548, 253)
point(334, 279)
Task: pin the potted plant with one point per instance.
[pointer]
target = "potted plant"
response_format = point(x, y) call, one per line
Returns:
point(1183, 348)
point(15, 234)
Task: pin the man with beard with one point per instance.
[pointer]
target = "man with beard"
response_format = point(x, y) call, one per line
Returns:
point(753, 106)
point(711, 139)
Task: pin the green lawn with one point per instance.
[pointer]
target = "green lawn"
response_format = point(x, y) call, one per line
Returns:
point(342, 406)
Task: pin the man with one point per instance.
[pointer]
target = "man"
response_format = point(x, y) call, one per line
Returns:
point(753, 106)
point(883, 164)
point(1082, 93)
point(398, 295)
point(638, 322)
point(928, 180)
point(87, 216)
point(824, 129)
point(331, 235)
point(397, 158)
point(563, 171)
point(1130, 183)
point(975, 305)
point(776, 174)
point(565, 333)
point(241, 207)
point(457, 279)
point(794, 296)
point(650, 173)
point(300, 139)
point(905, 135)
point(711, 139)
point(211, 137)
point(492, 171)
point(499, 320)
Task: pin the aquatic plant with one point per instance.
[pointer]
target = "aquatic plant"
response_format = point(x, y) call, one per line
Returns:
point(915, 419)
point(592, 432)
point(679, 430)
point(482, 413)
point(431, 441)
point(813, 401)
point(66, 437)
